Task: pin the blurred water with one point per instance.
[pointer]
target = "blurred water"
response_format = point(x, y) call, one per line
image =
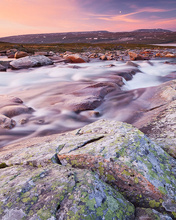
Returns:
point(151, 74)
point(14, 80)
point(40, 88)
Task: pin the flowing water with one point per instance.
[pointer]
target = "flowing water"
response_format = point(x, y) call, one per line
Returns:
point(43, 90)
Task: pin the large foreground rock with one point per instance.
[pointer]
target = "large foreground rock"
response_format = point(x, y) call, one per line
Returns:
point(30, 61)
point(124, 157)
point(118, 153)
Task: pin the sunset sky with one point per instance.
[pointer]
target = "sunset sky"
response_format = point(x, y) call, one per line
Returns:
point(52, 16)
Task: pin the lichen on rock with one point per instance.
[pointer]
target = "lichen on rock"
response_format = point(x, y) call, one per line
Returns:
point(57, 192)
point(90, 173)
point(126, 154)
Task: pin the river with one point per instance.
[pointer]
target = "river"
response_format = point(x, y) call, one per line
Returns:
point(43, 89)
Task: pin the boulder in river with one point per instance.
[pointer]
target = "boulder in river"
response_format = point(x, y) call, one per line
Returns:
point(103, 57)
point(129, 63)
point(11, 106)
point(89, 97)
point(2, 68)
point(76, 58)
point(5, 64)
point(20, 54)
point(86, 98)
point(6, 122)
point(30, 61)
point(136, 56)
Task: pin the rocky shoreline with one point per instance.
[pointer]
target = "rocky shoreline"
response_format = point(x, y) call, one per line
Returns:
point(35, 60)
point(105, 170)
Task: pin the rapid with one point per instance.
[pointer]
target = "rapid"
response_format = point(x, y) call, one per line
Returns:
point(45, 90)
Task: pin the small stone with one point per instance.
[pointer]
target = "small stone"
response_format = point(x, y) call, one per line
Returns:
point(103, 57)
point(129, 63)
point(23, 121)
point(170, 55)
point(6, 123)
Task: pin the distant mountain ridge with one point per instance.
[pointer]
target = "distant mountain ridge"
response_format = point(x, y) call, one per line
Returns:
point(152, 30)
point(141, 36)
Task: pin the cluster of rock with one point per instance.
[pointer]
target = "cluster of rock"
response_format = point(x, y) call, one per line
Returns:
point(125, 55)
point(14, 53)
point(38, 58)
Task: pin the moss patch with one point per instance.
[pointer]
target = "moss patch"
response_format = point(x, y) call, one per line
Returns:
point(3, 165)
point(154, 204)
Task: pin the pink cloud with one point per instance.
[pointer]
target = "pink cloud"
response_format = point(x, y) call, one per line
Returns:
point(149, 9)
point(142, 23)
point(131, 21)
point(126, 17)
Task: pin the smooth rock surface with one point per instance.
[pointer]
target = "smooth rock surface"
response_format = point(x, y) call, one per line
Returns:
point(11, 106)
point(159, 120)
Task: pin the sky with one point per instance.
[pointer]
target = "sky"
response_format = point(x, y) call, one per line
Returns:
point(53, 16)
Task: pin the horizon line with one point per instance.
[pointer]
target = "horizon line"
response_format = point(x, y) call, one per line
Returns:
point(88, 31)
